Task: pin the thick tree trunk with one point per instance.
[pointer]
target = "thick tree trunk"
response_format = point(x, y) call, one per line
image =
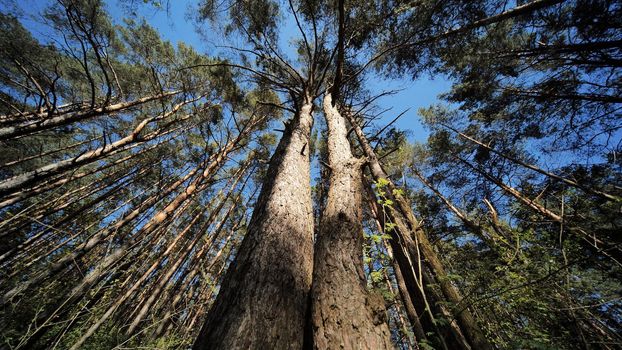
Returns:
point(343, 313)
point(262, 302)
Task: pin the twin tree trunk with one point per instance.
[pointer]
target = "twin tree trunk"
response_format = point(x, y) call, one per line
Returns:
point(264, 297)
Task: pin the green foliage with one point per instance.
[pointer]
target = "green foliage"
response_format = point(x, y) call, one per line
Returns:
point(535, 257)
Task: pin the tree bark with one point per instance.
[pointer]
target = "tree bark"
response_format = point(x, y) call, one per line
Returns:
point(262, 301)
point(343, 313)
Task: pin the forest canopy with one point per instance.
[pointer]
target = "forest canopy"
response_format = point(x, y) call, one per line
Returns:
point(256, 189)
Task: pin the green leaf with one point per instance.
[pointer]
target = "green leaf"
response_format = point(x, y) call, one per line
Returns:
point(398, 192)
point(381, 182)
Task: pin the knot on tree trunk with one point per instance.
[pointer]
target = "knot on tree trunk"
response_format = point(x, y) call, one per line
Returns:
point(375, 301)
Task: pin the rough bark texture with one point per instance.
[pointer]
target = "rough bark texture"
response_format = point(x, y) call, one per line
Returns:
point(344, 314)
point(262, 302)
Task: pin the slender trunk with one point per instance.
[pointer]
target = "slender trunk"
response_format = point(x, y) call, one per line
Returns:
point(263, 298)
point(193, 269)
point(45, 123)
point(161, 258)
point(419, 281)
point(343, 313)
point(552, 49)
point(411, 313)
point(194, 187)
point(611, 250)
point(490, 237)
point(189, 275)
point(405, 294)
point(204, 296)
point(120, 300)
point(21, 247)
point(58, 181)
point(19, 182)
point(601, 194)
point(126, 219)
point(403, 211)
point(93, 241)
point(47, 153)
point(24, 116)
point(400, 322)
point(142, 279)
point(32, 342)
point(520, 10)
point(42, 211)
point(155, 293)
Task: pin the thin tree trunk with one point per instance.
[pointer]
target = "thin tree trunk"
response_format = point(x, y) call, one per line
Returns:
point(193, 269)
point(120, 300)
point(401, 323)
point(18, 182)
point(154, 294)
point(467, 323)
point(572, 183)
point(125, 219)
point(58, 181)
point(490, 237)
point(148, 228)
point(21, 247)
point(612, 249)
point(47, 153)
point(189, 274)
point(161, 257)
point(405, 295)
point(419, 281)
point(67, 118)
point(85, 247)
